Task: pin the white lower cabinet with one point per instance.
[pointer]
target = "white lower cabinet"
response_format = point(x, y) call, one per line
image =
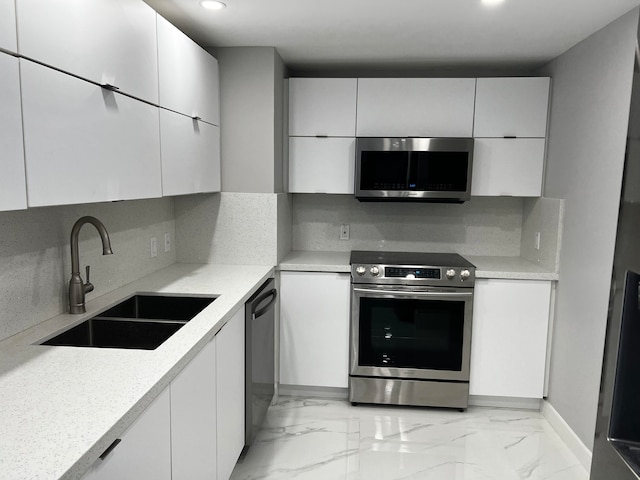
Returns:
point(314, 328)
point(321, 165)
point(194, 418)
point(84, 143)
point(144, 450)
point(508, 167)
point(194, 430)
point(509, 337)
point(190, 151)
point(230, 378)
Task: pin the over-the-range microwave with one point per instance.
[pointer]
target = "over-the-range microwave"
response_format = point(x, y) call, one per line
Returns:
point(413, 169)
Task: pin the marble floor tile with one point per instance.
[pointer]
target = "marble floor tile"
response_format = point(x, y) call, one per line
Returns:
point(320, 439)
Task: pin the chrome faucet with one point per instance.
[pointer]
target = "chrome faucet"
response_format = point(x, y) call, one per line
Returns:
point(77, 289)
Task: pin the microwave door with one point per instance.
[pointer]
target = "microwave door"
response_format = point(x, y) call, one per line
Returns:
point(437, 174)
point(383, 173)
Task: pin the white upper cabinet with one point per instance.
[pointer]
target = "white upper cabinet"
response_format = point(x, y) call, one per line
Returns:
point(13, 193)
point(511, 107)
point(322, 107)
point(321, 165)
point(105, 41)
point(188, 75)
point(84, 143)
point(508, 167)
point(190, 151)
point(420, 107)
point(8, 39)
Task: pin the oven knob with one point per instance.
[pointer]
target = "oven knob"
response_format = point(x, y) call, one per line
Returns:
point(360, 270)
point(465, 274)
point(375, 271)
point(450, 273)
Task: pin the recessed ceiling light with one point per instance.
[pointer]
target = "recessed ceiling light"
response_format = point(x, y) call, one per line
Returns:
point(491, 3)
point(212, 4)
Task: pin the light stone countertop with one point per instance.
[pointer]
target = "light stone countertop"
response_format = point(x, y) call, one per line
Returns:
point(487, 267)
point(316, 261)
point(61, 407)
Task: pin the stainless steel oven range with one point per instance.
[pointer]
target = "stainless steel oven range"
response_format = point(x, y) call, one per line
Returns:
point(410, 328)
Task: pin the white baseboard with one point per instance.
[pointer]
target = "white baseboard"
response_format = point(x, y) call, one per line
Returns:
point(505, 402)
point(567, 435)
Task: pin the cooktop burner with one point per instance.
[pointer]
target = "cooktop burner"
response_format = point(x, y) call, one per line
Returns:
point(411, 268)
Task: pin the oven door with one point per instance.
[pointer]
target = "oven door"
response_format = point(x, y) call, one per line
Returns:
point(411, 332)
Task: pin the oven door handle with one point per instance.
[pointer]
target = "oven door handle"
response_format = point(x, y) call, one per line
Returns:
point(414, 293)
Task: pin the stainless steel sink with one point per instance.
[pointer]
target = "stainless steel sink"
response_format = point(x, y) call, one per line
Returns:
point(139, 322)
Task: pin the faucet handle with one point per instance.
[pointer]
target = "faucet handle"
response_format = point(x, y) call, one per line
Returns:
point(88, 286)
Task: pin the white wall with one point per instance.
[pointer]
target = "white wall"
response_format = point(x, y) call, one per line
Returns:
point(588, 127)
point(481, 226)
point(35, 262)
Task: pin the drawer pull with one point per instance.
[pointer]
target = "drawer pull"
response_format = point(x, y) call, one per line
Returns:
point(110, 448)
point(108, 86)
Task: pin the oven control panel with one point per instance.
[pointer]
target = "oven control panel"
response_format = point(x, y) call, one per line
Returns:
point(411, 272)
point(393, 274)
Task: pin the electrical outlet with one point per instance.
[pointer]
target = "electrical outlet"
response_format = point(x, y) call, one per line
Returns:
point(167, 242)
point(344, 232)
point(153, 246)
point(537, 241)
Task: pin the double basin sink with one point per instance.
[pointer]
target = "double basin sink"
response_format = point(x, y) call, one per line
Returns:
point(139, 322)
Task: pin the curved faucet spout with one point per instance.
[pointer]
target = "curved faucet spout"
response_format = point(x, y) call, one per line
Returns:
point(77, 289)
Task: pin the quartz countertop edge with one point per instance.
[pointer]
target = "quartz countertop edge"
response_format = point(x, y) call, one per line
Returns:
point(488, 267)
point(63, 406)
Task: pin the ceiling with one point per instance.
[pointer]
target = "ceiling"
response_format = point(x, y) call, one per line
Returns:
point(407, 34)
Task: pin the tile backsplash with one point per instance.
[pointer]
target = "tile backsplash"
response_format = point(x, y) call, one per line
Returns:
point(35, 262)
point(481, 226)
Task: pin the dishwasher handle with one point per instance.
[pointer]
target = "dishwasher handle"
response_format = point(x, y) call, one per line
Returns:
point(258, 313)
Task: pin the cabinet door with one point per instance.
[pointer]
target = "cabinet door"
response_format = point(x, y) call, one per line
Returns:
point(321, 165)
point(8, 39)
point(13, 191)
point(188, 75)
point(322, 106)
point(104, 41)
point(193, 418)
point(230, 393)
point(509, 339)
point(420, 107)
point(314, 329)
point(84, 143)
point(145, 449)
point(190, 151)
point(511, 107)
point(508, 166)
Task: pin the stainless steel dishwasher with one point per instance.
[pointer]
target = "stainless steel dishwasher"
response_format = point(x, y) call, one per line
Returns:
point(259, 357)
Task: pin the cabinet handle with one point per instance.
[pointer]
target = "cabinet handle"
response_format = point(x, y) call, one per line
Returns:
point(510, 136)
point(322, 136)
point(110, 448)
point(196, 117)
point(108, 86)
